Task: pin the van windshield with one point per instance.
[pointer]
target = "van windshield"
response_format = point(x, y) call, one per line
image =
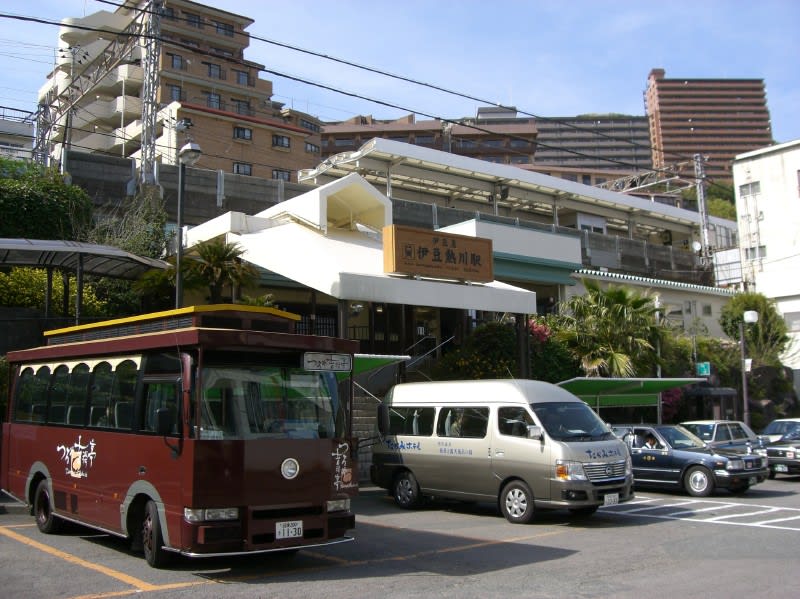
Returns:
point(571, 421)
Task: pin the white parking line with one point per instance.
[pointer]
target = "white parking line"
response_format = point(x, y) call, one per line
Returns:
point(744, 515)
point(765, 522)
point(657, 506)
point(704, 509)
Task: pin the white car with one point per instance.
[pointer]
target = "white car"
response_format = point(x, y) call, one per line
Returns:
point(778, 428)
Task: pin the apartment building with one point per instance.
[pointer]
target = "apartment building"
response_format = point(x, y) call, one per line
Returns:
point(717, 118)
point(16, 133)
point(204, 81)
point(767, 187)
point(495, 134)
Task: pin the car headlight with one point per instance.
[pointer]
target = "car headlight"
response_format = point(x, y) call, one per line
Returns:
point(338, 505)
point(761, 451)
point(735, 464)
point(210, 514)
point(628, 465)
point(569, 470)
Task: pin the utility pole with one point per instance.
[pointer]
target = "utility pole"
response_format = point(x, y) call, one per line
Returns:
point(700, 186)
point(152, 51)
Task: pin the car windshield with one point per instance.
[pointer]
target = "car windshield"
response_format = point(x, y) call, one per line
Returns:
point(781, 427)
point(704, 431)
point(571, 421)
point(680, 438)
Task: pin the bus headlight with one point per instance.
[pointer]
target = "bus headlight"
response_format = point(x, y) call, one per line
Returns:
point(338, 505)
point(569, 470)
point(290, 468)
point(210, 514)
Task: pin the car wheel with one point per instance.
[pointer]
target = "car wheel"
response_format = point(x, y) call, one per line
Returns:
point(516, 502)
point(698, 482)
point(406, 490)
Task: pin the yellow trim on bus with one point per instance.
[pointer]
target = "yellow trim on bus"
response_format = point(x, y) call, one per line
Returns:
point(176, 312)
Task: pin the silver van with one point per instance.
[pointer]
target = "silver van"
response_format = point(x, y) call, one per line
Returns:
point(524, 444)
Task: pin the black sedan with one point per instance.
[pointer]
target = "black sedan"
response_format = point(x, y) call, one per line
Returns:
point(784, 454)
point(680, 459)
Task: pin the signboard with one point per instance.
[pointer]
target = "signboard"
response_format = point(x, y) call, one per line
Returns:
point(328, 362)
point(425, 253)
point(704, 369)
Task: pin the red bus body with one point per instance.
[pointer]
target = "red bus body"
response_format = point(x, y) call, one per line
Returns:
point(184, 467)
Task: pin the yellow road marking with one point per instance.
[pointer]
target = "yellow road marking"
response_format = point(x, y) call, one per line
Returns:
point(140, 585)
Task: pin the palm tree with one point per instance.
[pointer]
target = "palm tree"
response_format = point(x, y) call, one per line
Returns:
point(611, 331)
point(216, 263)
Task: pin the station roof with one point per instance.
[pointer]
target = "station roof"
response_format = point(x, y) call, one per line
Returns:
point(433, 173)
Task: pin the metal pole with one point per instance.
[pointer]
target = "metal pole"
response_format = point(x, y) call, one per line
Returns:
point(746, 412)
point(179, 248)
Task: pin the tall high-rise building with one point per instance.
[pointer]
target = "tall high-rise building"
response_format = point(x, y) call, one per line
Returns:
point(716, 118)
point(98, 86)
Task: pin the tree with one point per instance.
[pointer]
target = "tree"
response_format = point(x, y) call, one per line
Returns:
point(37, 203)
point(140, 228)
point(25, 288)
point(612, 331)
point(720, 199)
point(216, 263)
point(766, 339)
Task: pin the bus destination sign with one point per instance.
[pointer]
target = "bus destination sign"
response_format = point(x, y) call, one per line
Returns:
point(330, 362)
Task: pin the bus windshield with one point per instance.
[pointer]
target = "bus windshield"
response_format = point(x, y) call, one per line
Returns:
point(252, 401)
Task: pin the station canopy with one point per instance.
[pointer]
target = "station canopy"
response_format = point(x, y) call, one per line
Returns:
point(601, 392)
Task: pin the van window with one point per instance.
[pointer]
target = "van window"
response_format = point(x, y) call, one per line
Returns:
point(463, 422)
point(411, 421)
point(513, 421)
point(570, 421)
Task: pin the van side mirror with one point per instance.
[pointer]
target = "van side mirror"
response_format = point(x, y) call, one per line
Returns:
point(535, 432)
point(383, 419)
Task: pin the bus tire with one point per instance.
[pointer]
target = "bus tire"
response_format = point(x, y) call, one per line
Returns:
point(46, 520)
point(516, 502)
point(405, 490)
point(152, 539)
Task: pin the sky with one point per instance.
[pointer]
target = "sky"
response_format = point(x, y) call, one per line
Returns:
point(547, 58)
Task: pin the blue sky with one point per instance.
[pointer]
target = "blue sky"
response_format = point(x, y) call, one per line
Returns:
point(547, 58)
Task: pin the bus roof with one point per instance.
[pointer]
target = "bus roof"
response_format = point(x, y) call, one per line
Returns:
point(229, 316)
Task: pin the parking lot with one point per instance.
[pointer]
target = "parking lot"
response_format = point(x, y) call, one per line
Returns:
point(658, 545)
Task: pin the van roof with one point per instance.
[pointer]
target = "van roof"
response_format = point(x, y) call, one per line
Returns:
point(484, 391)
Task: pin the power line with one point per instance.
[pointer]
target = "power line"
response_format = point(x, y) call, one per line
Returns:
point(348, 93)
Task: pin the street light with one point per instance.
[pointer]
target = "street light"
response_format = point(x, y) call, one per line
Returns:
point(749, 317)
point(188, 154)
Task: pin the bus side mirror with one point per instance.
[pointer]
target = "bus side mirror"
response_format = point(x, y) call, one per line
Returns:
point(383, 419)
point(163, 421)
point(535, 432)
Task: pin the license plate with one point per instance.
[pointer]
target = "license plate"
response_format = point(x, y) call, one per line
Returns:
point(611, 499)
point(780, 468)
point(289, 530)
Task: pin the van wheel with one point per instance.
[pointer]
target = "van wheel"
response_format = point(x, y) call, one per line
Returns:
point(516, 502)
point(152, 539)
point(406, 490)
point(46, 520)
point(698, 482)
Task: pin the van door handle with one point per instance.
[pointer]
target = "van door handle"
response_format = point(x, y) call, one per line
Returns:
point(497, 452)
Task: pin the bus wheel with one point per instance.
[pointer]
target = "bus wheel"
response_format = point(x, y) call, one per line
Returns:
point(516, 502)
point(46, 520)
point(152, 540)
point(406, 490)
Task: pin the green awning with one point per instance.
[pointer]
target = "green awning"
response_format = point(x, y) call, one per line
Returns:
point(601, 392)
point(366, 362)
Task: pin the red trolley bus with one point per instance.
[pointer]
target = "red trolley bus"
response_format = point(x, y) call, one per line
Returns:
point(204, 431)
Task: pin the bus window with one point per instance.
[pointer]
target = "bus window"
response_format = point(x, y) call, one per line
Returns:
point(123, 394)
point(31, 401)
point(159, 395)
point(77, 391)
point(57, 412)
point(100, 408)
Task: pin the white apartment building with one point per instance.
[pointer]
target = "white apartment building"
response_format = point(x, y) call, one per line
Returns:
point(767, 185)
